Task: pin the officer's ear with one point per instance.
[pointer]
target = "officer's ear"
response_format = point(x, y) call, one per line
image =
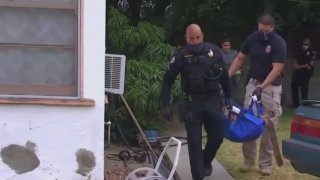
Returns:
point(202, 36)
point(272, 29)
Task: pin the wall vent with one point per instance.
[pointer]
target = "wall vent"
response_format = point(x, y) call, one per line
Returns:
point(114, 73)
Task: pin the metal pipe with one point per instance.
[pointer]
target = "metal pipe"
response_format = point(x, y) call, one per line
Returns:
point(109, 132)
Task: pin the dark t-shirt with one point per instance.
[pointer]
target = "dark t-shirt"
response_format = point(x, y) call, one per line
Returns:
point(262, 53)
point(305, 57)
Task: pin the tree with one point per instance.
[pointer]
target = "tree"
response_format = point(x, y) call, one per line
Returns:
point(148, 31)
point(147, 56)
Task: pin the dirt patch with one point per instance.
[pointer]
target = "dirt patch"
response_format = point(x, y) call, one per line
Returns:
point(115, 168)
point(20, 158)
point(86, 161)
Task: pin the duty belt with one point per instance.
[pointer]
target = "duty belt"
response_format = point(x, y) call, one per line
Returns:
point(255, 81)
point(206, 96)
point(276, 82)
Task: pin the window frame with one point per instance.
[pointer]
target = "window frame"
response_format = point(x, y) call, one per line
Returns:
point(72, 91)
point(75, 90)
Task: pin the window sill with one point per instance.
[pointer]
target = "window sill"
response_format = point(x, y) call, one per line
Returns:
point(49, 102)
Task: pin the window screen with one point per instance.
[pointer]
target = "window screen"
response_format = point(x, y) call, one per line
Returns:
point(39, 48)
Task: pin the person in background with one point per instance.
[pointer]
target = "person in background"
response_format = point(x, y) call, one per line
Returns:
point(203, 77)
point(228, 55)
point(303, 66)
point(267, 53)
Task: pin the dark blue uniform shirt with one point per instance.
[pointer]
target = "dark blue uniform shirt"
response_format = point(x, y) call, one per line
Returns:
point(305, 57)
point(262, 53)
point(177, 66)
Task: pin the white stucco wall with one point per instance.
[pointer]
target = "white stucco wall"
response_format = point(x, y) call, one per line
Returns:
point(60, 131)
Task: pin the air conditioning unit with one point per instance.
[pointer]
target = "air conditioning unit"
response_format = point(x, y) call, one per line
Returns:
point(114, 73)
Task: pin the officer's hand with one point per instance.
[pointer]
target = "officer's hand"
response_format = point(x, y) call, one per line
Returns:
point(167, 113)
point(257, 92)
point(227, 103)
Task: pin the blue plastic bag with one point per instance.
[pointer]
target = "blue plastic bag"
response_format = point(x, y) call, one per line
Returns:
point(247, 126)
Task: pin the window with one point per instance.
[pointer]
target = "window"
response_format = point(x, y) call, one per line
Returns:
point(40, 48)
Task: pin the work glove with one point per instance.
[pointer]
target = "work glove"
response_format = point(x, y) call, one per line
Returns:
point(167, 113)
point(227, 103)
point(257, 92)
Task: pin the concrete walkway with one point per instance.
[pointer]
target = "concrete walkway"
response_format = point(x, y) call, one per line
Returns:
point(183, 169)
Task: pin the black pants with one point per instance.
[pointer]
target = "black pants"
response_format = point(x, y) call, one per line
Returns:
point(209, 113)
point(300, 81)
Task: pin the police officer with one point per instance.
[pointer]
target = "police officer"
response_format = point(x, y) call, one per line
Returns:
point(267, 53)
point(203, 77)
point(303, 66)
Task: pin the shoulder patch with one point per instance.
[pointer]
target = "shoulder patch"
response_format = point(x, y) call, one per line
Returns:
point(210, 54)
point(173, 59)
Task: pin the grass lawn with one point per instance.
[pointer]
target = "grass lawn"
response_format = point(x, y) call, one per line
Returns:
point(230, 156)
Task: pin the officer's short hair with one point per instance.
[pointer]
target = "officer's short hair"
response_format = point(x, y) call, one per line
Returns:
point(225, 40)
point(266, 19)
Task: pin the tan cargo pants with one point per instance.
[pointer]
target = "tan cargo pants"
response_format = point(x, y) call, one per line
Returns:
point(270, 97)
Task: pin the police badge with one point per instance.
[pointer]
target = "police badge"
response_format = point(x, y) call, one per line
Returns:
point(268, 48)
point(173, 59)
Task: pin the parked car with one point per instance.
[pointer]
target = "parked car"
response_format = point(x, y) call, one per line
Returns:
point(303, 146)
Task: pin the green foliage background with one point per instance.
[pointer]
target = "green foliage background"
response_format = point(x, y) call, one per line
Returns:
point(149, 32)
point(147, 55)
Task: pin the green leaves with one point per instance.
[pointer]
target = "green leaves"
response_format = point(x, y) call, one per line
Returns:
point(159, 51)
point(147, 56)
point(150, 33)
point(116, 20)
point(143, 85)
point(128, 38)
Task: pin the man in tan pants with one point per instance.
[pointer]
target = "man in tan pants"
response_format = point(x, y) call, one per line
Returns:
point(267, 53)
point(270, 97)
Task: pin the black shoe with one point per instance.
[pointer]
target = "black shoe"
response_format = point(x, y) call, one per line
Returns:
point(208, 170)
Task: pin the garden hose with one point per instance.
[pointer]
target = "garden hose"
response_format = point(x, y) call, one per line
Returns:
point(139, 151)
point(144, 137)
